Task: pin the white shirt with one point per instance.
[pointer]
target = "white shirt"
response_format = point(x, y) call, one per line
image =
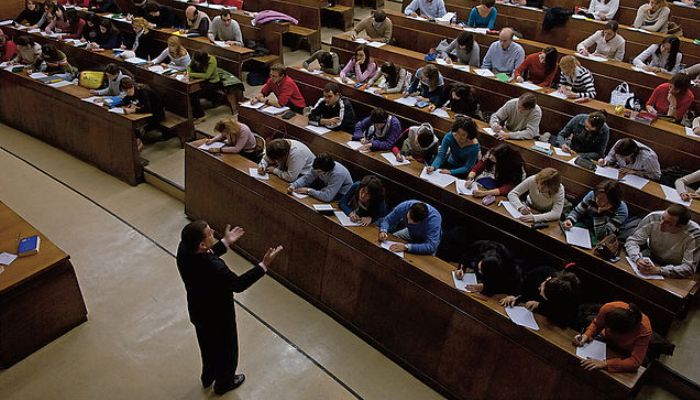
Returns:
point(614, 49)
point(609, 9)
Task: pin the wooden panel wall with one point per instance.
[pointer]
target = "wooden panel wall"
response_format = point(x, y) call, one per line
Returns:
point(10, 8)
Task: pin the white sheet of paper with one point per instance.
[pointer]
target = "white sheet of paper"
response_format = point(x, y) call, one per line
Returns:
point(592, 57)
point(181, 78)
point(6, 22)
point(607, 172)
point(117, 110)
point(577, 236)
point(317, 72)
point(60, 84)
point(689, 132)
point(558, 95)
point(543, 145)
point(436, 178)
point(7, 258)
point(480, 31)
point(38, 75)
point(460, 184)
point(136, 60)
point(376, 45)
point(345, 220)
point(558, 151)
point(523, 317)
point(467, 279)
point(214, 145)
point(640, 30)
point(274, 110)
point(529, 85)
point(254, 173)
point(573, 162)
point(489, 131)
point(387, 243)
point(319, 130)
point(682, 4)
point(323, 207)
point(372, 90)
point(93, 99)
point(299, 195)
point(441, 61)
point(642, 70)
point(484, 72)
point(353, 144)
point(157, 69)
point(635, 181)
point(340, 80)
point(255, 106)
point(35, 30)
point(418, 17)
point(460, 67)
point(440, 112)
point(446, 18)
point(391, 157)
point(672, 195)
point(639, 274)
point(360, 40)
point(510, 208)
point(595, 350)
point(409, 101)
point(220, 43)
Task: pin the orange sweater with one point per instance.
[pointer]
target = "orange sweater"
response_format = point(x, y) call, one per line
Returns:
point(536, 71)
point(635, 343)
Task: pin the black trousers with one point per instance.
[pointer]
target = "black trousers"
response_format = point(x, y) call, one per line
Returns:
point(218, 346)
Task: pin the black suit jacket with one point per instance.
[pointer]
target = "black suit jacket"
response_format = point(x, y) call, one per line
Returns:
point(210, 284)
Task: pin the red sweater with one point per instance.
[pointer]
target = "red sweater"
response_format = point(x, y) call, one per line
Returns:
point(8, 51)
point(286, 91)
point(659, 100)
point(535, 71)
point(76, 32)
point(503, 189)
point(635, 343)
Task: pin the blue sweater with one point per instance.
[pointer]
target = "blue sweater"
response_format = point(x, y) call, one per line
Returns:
point(437, 96)
point(425, 235)
point(459, 159)
point(349, 203)
point(477, 21)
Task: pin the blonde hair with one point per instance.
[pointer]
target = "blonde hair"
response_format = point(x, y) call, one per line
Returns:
point(180, 50)
point(568, 64)
point(549, 178)
point(140, 23)
point(230, 128)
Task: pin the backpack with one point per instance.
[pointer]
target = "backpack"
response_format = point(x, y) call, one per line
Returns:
point(608, 248)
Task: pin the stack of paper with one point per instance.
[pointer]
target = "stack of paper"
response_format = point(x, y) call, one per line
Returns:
point(578, 237)
point(38, 75)
point(462, 188)
point(672, 195)
point(510, 208)
point(319, 130)
point(387, 243)
point(561, 152)
point(408, 101)
point(255, 106)
point(213, 145)
point(391, 157)
point(523, 317)
point(467, 279)
point(344, 219)
point(447, 18)
point(317, 72)
point(641, 275)
point(595, 350)
point(542, 147)
point(436, 178)
point(274, 110)
point(255, 174)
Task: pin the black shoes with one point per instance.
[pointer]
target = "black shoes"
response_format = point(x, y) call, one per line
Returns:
point(237, 381)
point(207, 380)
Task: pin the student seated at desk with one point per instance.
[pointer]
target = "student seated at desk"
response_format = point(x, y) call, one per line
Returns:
point(484, 15)
point(417, 223)
point(545, 194)
point(139, 7)
point(539, 68)
point(327, 181)
point(142, 43)
point(601, 10)
point(585, 135)
point(379, 131)
point(78, 3)
point(430, 9)
point(666, 243)
point(462, 100)
point(459, 149)
point(45, 17)
point(8, 49)
point(141, 99)
point(224, 28)
point(575, 81)
point(77, 26)
point(92, 27)
point(428, 83)
point(361, 67)
point(517, 119)
point(663, 57)
point(527, 3)
point(608, 43)
point(672, 99)
point(390, 79)
point(693, 72)
point(114, 74)
point(287, 158)
point(624, 328)
point(550, 292)
point(28, 52)
point(494, 265)
point(198, 22)
point(56, 63)
point(204, 66)
point(463, 49)
point(653, 16)
point(419, 143)
point(176, 53)
point(57, 20)
point(284, 88)
point(497, 173)
point(108, 39)
point(237, 138)
point(161, 16)
point(31, 14)
point(333, 110)
point(633, 157)
point(683, 186)
point(504, 55)
point(104, 6)
point(601, 211)
point(365, 201)
point(327, 60)
point(377, 26)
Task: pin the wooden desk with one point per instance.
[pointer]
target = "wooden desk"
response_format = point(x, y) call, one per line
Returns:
point(407, 308)
point(40, 298)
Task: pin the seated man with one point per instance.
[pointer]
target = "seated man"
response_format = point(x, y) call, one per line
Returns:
point(430, 9)
point(666, 243)
point(520, 117)
point(333, 110)
point(377, 26)
point(417, 223)
point(607, 43)
point(327, 181)
point(379, 131)
point(161, 16)
point(198, 22)
point(287, 158)
point(223, 28)
point(504, 55)
point(284, 88)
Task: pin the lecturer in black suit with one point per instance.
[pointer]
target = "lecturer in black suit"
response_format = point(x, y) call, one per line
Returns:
point(210, 285)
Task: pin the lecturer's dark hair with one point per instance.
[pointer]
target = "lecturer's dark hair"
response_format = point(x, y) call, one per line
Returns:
point(192, 235)
point(623, 320)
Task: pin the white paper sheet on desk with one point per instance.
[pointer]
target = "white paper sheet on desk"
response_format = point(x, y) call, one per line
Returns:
point(461, 284)
point(489, 131)
point(255, 106)
point(391, 157)
point(523, 317)
point(510, 208)
point(299, 195)
point(607, 172)
point(436, 178)
point(7, 258)
point(35, 30)
point(372, 90)
point(529, 85)
point(60, 84)
point(557, 94)
point(117, 110)
point(682, 4)
point(543, 145)
point(213, 145)
point(460, 185)
point(323, 207)
point(136, 60)
point(642, 70)
point(6, 22)
point(216, 6)
point(442, 61)
point(38, 75)
point(577, 236)
point(672, 195)
point(592, 57)
point(387, 243)
point(319, 130)
point(344, 219)
point(445, 19)
point(348, 81)
point(181, 78)
point(376, 45)
point(361, 40)
point(418, 17)
point(317, 72)
point(639, 274)
point(440, 112)
point(689, 132)
point(595, 350)
point(577, 16)
point(461, 67)
point(274, 110)
point(480, 31)
point(220, 43)
point(408, 101)
point(4, 64)
point(94, 100)
point(484, 72)
point(639, 30)
point(573, 162)
point(353, 144)
point(558, 151)
point(254, 173)
point(635, 181)
point(157, 69)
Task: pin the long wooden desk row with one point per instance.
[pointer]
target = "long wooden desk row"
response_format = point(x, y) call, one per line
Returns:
point(407, 308)
point(577, 180)
point(40, 298)
point(669, 140)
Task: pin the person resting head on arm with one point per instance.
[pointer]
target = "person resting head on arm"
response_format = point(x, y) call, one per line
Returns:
point(633, 157)
point(287, 158)
point(545, 196)
point(497, 172)
point(365, 201)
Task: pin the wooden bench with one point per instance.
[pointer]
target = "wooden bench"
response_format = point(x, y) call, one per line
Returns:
point(307, 33)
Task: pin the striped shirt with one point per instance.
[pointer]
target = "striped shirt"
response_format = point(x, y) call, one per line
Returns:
point(603, 223)
point(645, 164)
point(581, 83)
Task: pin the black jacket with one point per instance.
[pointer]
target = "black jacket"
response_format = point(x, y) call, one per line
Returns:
point(166, 18)
point(562, 313)
point(105, 6)
point(148, 46)
point(32, 17)
point(342, 108)
point(504, 280)
point(147, 101)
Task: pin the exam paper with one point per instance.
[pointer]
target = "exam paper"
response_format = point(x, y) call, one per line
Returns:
point(592, 57)
point(437, 178)
point(323, 207)
point(578, 237)
point(642, 70)
point(558, 94)
point(595, 350)
point(607, 172)
point(376, 45)
point(255, 106)
point(319, 130)
point(635, 181)
point(461, 185)
point(254, 173)
point(543, 145)
point(489, 131)
point(529, 85)
point(274, 110)
point(387, 243)
point(461, 284)
point(440, 112)
point(299, 195)
point(117, 110)
point(38, 75)
point(672, 195)
point(316, 72)
point(391, 157)
point(7, 258)
point(641, 275)
point(484, 72)
point(409, 101)
point(60, 84)
point(344, 219)
point(510, 208)
point(353, 144)
point(348, 81)
point(464, 68)
point(213, 145)
point(689, 132)
point(523, 317)
point(558, 151)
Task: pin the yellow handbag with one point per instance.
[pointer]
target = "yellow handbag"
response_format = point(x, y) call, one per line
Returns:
point(91, 79)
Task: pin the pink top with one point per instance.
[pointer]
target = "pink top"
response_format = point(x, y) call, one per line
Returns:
point(360, 76)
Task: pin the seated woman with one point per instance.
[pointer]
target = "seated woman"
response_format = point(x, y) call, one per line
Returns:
point(58, 22)
point(545, 200)
point(601, 211)
point(287, 158)
point(77, 26)
point(601, 10)
point(484, 15)
point(360, 68)
point(390, 79)
point(328, 61)
point(109, 37)
point(142, 43)
point(683, 186)
point(176, 53)
point(31, 14)
point(497, 172)
point(633, 157)
point(92, 27)
point(237, 138)
point(8, 48)
point(105, 6)
point(552, 293)
point(539, 68)
point(625, 328)
point(463, 49)
point(140, 99)
point(114, 74)
point(428, 83)
point(672, 99)
point(419, 143)
point(28, 52)
point(653, 16)
point(365, 202)
point(56, 63)
point(204, 66)
point(575, 81)
point(379, 131)
point(662, 57)
point(585, 135)
point(494, 265)
point(462, 100)
point(459, 149)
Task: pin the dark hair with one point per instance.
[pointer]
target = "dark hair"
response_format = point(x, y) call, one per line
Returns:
point(111, 29)
point(627, 147)
point(425, 136)
point(277, 149)
point(49, 52)
point(114, 69)
point(562, 287)
point(331, 87)
point(279, 68)
point(391, 72)
point(680, 81)
point(488, 3)
point(325, 59)
point(508, 166)
point(376, 190)
point(466, 39)
point(72, 17)
point(682, 212)
point(365, 50)
point(528, 101)
point(597, 119)
point(24, 41)
point(225, 12)
point(192, 235)
point(418, 211)
point(324, 162)
point(93, 18)
point(612, 191)
point(623, 320)
point(127, 83)
point(467, 103)
point(152, 7)
point(466, 124)
point(200, 61)
point(379, 16)
point(612, 25)
point(550, 59)
point(672, 54)
point(378, 115)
